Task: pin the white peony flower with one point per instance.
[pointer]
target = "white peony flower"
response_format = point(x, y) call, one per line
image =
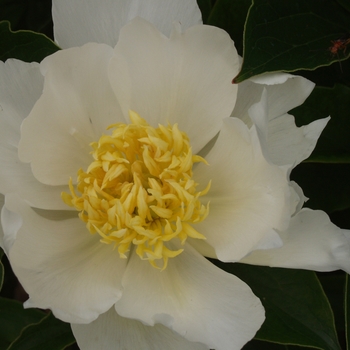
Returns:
point(129, 156)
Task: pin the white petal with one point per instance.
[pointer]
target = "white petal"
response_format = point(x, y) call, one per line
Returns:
point(10, 223)
point(258, 114)
point(2, 202)
point(247, 95)
point(113, 332)
point(61, 265)
point(185, 79)
point(202, 247)
point(289, 144)
point(192, 297)
point(249, 197)
point(17, 177)
point(77, 22)
point(274, 78)
point(21, 85)
point(297, 197)
point(283, 142)
point(312, 242)
point(284, 92)
point(75, 108)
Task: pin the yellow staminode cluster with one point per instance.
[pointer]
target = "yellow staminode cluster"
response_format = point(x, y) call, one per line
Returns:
point(139, 190)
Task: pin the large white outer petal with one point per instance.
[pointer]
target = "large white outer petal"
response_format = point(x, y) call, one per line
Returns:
point(194, 298)
point(185, 79)
point(311, 242)
point(75, 108)
point(60, 264)
point(113, 332)
point(249, 198)
point(21, 85)
point(286, 144)
point(284, 91)
point(289, 144)
point(283, 142)
point(77, 22)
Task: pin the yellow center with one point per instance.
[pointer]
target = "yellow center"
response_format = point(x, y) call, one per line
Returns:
point(139, 190)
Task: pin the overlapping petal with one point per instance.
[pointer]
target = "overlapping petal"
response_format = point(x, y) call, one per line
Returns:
point(113, 332)
point(21, 86)
point(11, 222)
point(75, 108)
point(171, 81)
point(289, 144)
point(194, 298)
point(78, 22)
point(62, 266)
point(249, 197)
point(283, 142)
point(286, 144)
point(311, 242)
point(278, 85)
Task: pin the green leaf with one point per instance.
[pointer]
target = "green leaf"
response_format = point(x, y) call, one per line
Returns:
point(293, 35)
point(205, 7)
point(333, 145)
point(13, 319)
point(333, 285)
point(24, 45)
point(297, 310)
point(50, 333)
point(230, 16)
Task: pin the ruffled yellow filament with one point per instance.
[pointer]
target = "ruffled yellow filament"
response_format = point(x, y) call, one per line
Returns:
point(139, 190)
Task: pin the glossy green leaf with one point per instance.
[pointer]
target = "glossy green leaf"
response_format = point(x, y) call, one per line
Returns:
point(297, 310)
point(13, 319)
point(230, 16)
point(333, 286)
point(50, 333)
point(334, 143)
point(24, 45)
point(293, 35)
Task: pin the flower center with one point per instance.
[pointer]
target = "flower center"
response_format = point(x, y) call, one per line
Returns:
point(139, 191)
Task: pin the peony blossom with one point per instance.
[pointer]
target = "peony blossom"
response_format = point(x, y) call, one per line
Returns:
point(128, 157)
